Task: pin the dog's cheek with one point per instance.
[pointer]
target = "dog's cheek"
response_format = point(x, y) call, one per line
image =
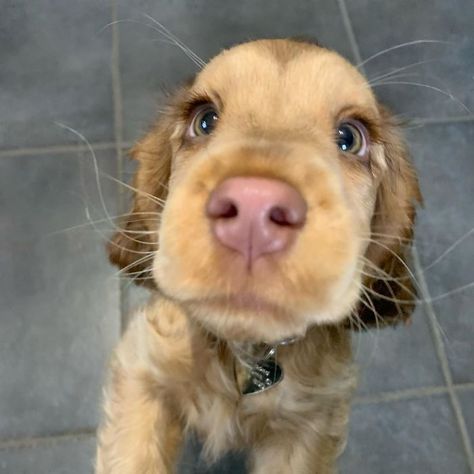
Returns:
point(326, 261)
point(184, 259)
point(324, 267)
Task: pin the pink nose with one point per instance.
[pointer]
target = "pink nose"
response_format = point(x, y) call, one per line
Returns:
point(256, 216)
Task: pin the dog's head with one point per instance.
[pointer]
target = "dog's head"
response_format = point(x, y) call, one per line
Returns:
point(276, 193)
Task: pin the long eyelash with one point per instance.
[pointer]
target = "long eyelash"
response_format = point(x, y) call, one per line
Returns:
point(196, 99)
point(372, 127)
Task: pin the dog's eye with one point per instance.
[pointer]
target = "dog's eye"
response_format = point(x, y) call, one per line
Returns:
point(204, 121)
point(351, 137)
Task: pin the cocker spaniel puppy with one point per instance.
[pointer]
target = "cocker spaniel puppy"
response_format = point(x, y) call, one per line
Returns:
point(273, 214)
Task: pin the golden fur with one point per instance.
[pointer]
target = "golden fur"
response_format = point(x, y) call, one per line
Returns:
point(279, 102)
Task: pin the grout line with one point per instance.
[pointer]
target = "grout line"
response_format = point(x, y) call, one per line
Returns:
point(35, 441)
point(350, 32)
point(464, 386)
point(117, 88)
point(118, 131)
point(410, 393)
point(441, 353)
point(400, 395)
point(55, 149)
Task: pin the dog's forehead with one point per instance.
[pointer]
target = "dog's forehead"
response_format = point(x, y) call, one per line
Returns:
point(271, 76)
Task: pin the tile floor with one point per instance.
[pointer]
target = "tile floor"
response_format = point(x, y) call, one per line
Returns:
point(63, 305)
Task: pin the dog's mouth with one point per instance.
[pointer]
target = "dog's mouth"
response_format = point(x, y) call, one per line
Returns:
point(246, 316)
point(245, 302)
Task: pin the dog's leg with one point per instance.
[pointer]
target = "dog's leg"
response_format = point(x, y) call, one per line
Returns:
point(307, 457)
point(305, 451)
point(141, 432)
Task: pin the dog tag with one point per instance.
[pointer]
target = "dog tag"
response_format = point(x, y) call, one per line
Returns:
point(261, 376)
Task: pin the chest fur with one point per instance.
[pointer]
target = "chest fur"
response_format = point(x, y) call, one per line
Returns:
point(306, 399)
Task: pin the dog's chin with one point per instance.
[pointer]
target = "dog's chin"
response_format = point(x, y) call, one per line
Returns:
point(246, 317)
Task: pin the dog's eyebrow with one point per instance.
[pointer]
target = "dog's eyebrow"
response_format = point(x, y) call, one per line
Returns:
point(199, 97)
point(194, 98)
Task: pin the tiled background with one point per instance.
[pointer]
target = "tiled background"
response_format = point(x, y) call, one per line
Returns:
point(63, 305)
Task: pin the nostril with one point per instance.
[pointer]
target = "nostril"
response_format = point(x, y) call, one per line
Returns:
point(229, 210)
point(278, 215)
point(222, 209)
point(286, 217)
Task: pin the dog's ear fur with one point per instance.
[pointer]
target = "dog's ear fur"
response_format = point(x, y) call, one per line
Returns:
point(391, 293)
point(131, 248)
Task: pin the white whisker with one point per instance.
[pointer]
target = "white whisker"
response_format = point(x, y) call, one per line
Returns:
point(450, 293)
point(118, 22)
point(97, 175)
point(400, 69)
point(186, 50)
point(105, 219)
point(428, 86)
point(393, 300)
point(410, 272)
point(162, 30)
point(96, 171)
point(154, 199)
point(398, 46)
point(449, 249)
point(123, 271)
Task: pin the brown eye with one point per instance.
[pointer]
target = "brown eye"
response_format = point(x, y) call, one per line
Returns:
point(351, 137)
point(204, 121)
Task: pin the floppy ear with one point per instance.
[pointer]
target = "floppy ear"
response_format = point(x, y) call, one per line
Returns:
point(132, 247)
point(391, 289)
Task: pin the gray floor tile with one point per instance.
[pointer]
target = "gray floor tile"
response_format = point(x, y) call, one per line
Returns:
point(55, 67)
point(148, 63)
point(70, 456)
point(397, 358)
point(452, 69)
point(466, 398)
point(455, 321)
point(135, 297)
point(59, 297)
point(416, 436)
point(444, 159)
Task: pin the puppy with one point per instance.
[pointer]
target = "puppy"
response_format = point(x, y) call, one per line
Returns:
point(273, 213)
